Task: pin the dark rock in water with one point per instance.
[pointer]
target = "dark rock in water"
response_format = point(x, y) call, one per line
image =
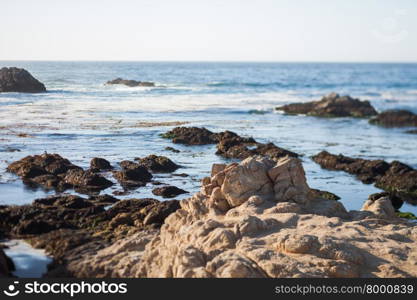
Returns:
point(394, 177)
point(229, 144)
point(131, 83)
point(33, 166)
point(172, 149)
point(412, 131)
point(191, 136)
point(47, 170)
point(86, 180)
point(19, 80)
point(395, 118)
point(158, 164)
point(168, 191)
point(103, 199)
point(331, 106)
point(6, 265)
point(100, 164)
point(132, 174)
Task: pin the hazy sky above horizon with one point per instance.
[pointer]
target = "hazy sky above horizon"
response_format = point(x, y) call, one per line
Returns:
point(210, 30)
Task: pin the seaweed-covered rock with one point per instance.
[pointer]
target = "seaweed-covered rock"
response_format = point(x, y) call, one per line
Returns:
point(86, 180)
point(392, 177)
point(395, 118)
point(229, 144)
point(191, 136)
point(131, 83)
point(158, 164)
point(169, 191)
point(19, 80)
point(332, 105)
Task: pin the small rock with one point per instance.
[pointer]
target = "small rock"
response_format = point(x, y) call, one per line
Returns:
point(168, 191)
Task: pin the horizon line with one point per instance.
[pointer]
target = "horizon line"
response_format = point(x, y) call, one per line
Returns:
point(213, 61)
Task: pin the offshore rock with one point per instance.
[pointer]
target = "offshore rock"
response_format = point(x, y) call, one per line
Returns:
point(19, 80)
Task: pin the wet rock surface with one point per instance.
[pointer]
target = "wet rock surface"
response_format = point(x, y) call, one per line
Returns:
point(19, 80)
point(168, 191)
point(229, 144)
point(157, 164)
point(394, 177)
point(395, 118)
point(330, 106)
point(131, 83)
point(52, 171)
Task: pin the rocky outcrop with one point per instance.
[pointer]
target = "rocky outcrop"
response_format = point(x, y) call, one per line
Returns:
point(259, 218)
point(169, 191)
point(132, 175)
point(395, 118)
point(19, 80)
point(229, 144)
point(131, 83)
point(394, 177)
point(52, 171)
point(330, 106)
point(158, 164)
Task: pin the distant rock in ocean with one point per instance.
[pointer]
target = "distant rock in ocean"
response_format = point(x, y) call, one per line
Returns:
point(331, 106)
point(395, 118)
point(131, 83)
point(19, 80)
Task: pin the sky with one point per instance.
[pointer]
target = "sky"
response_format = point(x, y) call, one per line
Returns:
point(209, 30)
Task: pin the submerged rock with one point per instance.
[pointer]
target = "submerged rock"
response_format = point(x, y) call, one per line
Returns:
point(394, 177)
point(131, 83)
point(158, 164)
point(330, 106)
point(168, 191)
point(395, 118)
point(52, 171)
point(19, 80)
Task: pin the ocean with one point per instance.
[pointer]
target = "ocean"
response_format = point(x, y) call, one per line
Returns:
point(80, 117)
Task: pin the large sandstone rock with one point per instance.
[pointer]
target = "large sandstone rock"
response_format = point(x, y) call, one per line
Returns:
point(19, 80)
point(395, 118)
point(330, 106)
point(394, 177)
point(131, 83)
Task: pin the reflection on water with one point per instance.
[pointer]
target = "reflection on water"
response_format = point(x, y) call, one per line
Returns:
point(29, 262)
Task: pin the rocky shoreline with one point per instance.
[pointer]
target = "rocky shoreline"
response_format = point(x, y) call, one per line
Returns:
point(255, 216)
